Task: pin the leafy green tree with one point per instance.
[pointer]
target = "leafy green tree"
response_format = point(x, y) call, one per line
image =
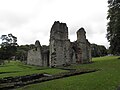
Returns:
point(22, 51)
point(95, 51)
point(8, 46)
point(113, 27)
point(103, 50)
point(98, 50)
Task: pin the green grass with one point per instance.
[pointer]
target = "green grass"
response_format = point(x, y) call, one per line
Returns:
point(107, 78)
point(16, 68)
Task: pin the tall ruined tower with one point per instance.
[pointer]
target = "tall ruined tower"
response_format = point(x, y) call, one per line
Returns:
point(59, 45)
point(84, 45)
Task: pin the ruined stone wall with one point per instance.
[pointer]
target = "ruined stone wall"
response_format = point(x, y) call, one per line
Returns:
point(59, 45)
point(45, 55)
point(89, 57)
point(73, 54)
point(76, 54)
point(38, 56)
point(61, 52)
point(84, 45)
point(35, 57)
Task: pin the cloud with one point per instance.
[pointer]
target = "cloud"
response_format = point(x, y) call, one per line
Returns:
point(12, 20)
point(32, 20)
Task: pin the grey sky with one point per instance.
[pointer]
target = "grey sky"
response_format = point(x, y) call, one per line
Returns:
point(31, 20)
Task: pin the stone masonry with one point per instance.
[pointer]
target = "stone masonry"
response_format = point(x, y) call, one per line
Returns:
point(61, 52)
point(39, 55)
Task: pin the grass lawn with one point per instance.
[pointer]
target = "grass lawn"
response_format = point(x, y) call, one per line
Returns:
point(107, 78)
point(16, 68)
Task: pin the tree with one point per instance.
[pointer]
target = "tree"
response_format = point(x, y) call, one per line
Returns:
point(22, 51)
point(113, 26)
point(98, 50)
point(8, 46)
point(103, 50)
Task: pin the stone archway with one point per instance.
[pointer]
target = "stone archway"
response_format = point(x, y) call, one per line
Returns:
point(78, 52)
point(79, 55)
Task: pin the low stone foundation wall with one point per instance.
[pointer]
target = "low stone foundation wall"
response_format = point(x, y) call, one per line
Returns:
point(15, 82)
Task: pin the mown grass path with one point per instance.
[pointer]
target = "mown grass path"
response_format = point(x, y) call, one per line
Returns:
point(16, 68)
point(108, 78)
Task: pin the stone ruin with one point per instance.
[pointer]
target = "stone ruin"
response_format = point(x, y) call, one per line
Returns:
point(61, 52)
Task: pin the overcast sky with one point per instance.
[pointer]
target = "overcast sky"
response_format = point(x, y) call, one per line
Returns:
point(31, 20)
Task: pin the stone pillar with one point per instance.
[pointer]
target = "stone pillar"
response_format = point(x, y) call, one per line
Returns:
point(59, 45)
point(82, 44)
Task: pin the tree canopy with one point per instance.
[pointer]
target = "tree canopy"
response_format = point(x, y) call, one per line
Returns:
point(98, 50)
point(8, 46)
point(22, 50)
point(113, 26)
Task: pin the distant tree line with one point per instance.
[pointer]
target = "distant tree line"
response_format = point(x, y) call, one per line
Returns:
point(11, 50)
point(22, 50)
point(98, 50)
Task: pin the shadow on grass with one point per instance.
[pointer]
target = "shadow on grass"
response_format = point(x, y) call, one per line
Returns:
point(9, 72)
